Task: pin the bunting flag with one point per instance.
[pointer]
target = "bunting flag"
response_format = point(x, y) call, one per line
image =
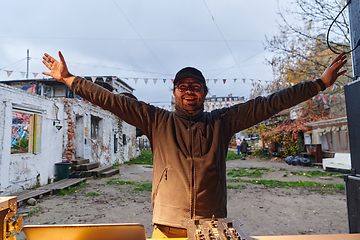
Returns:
point(23, 74)
point(215, 80)
point(104, 79)
point(164, 80)
point(243, 80)
point(93, 78)
point(136, 80)
point(114, 78)
point(35, 74)
point(207, 81)
point(146, 80)
point(155, 80)
point(224, 80)
point(235, 80)
point(9, 73)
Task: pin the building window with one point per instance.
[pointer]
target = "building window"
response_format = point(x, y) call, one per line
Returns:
point(95, 127)
point(47, 91)
point(25, 132)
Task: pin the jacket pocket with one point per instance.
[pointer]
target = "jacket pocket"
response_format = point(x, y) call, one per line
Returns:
point(162, 178)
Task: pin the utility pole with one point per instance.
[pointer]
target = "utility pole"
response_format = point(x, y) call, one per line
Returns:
point(27, 64)
point(352, 181)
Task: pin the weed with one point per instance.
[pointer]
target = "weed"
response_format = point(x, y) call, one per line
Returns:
point(89, 194)
point(232, 156)
point(146, 158)
point(117, 182)
point(244, 172)
point(143, 187)
point(34, 210)
point(63, 192)
point(318, 173)
point(283, 169)
point(236, 187)
point(314, 186)
point(139, 186)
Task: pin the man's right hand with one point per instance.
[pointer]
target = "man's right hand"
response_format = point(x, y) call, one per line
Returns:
point(58, 70)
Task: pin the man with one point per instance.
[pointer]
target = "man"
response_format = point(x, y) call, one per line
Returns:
point(244, 148)
point(189, 145)
point(238, 143)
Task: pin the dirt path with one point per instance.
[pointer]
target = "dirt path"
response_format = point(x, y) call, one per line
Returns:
point(264, 211)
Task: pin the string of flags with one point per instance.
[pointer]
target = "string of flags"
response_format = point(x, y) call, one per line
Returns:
point(155, 80)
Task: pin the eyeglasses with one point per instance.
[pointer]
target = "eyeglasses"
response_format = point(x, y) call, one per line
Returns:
point(192, 87)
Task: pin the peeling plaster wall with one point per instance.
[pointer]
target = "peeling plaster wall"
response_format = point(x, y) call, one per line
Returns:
point(24, 170)
point(97, 149)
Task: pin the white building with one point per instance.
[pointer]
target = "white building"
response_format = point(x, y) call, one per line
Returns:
point(38, 129)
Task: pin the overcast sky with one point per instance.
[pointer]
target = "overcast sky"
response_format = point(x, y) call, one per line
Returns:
point(143, 39)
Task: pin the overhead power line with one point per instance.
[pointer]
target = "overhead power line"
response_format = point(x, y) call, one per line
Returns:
point(223, 38)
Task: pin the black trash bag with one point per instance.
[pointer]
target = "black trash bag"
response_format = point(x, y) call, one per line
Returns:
point(305, 161)
point(289, 159)
point(296, 161)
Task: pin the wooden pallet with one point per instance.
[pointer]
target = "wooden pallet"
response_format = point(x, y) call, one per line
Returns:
point(47, 189)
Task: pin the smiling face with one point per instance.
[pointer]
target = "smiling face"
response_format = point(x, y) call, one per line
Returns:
point(189, 99)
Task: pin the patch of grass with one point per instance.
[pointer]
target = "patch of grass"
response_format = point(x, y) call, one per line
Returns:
point(139, 186)
point(252, 172)
point(314, 186)
point(232, 156)
point(116, 165)
point(117, 182)
point(236, 187)
point(283, 169)
point(146, 158)
point(143, 187)
point(63, 192)
point(90, 194)
point(318, 173)
point(34, 210)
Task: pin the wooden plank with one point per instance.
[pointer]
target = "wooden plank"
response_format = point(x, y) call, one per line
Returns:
point(88, 166)
point(110, 173)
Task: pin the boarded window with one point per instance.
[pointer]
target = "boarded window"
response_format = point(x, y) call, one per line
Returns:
point(95, 127)
point(25, 132)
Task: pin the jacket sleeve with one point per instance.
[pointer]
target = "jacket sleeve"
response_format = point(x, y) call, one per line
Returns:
point(136, 113)
point(254, 111)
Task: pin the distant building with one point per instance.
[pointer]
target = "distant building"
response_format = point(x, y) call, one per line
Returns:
point(214, 102)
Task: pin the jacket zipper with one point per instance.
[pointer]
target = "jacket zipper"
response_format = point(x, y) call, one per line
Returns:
point(192, 194)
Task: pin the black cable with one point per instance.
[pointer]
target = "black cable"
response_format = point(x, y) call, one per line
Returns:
point(328, 32)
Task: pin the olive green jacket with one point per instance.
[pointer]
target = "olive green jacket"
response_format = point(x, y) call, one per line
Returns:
point(189, 174)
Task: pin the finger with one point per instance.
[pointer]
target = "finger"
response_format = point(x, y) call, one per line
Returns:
point(62, 60)
point(342, 72)
point(46, 64)
point(46, 73)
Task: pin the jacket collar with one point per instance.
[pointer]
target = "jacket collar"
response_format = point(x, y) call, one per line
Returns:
point(185, 114)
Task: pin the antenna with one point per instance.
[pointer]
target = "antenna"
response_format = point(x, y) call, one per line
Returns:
point(27, 64)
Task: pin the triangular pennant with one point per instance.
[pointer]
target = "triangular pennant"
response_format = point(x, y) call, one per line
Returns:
point(136, 80)
point(9, 73)
point(243, 80)
point(215, 80)
point(172, 80)
point(23, 74)
point(114, 78)
point(235, 79)
point(164, 80)
point(35, 74)
point(207, 81)
point(224, 80)
point(155, 80)
point(146, 80)
point(104, 79)
point(93, 78)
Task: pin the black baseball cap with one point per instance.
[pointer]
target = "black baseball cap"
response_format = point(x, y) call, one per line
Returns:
point(189, 72)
